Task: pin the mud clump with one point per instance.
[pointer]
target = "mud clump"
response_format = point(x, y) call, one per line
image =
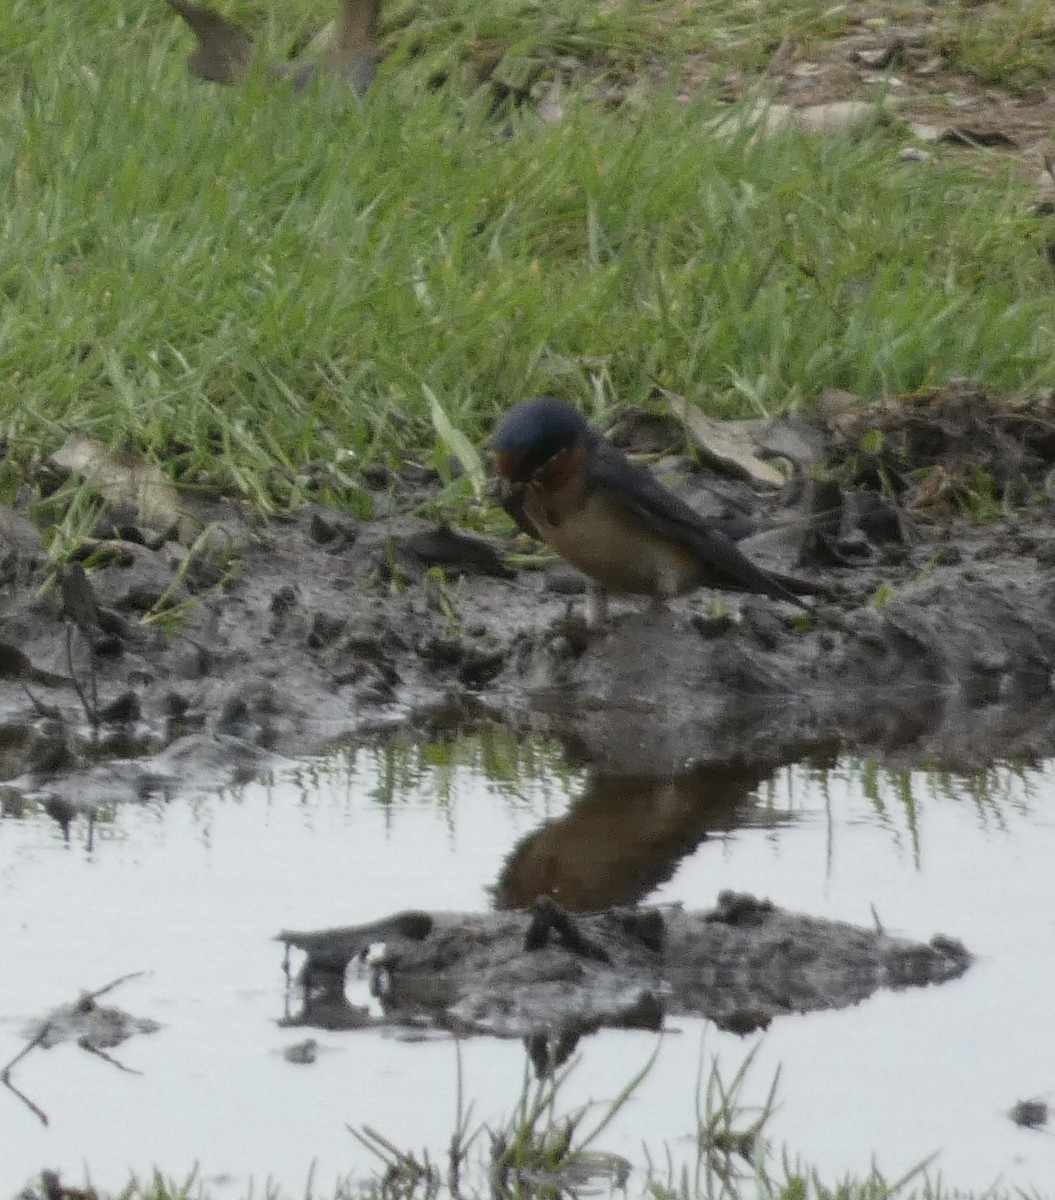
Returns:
point(544, 972)
point(953, 450)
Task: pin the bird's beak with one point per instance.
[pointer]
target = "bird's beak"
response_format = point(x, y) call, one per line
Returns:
point(507, 464)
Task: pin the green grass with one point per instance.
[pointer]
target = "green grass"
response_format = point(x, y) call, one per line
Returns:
point(259, 290)
point(1010, 45)
point(541, 1151)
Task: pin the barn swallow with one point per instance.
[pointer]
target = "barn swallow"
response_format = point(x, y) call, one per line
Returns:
point(567, 486)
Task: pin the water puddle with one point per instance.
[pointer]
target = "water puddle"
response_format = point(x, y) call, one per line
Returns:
point(193, 891)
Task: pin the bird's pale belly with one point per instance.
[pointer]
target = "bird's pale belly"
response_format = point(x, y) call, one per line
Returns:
point(615, 548)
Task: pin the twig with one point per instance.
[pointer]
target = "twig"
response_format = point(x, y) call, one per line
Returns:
point(33, 1042)
point(5, 1074)
point(878, 923)
point(86, 1044)
point(116, 983)
point(90, 711)
point(42, 710)
point(38, 1112)
point(86, 1003)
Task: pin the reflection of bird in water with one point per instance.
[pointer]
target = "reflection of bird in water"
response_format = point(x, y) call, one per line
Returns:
point(625, 836)
point(613, 520)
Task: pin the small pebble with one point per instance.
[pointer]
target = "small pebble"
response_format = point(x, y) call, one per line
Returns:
point(303, 1053)
point(1030, 1114)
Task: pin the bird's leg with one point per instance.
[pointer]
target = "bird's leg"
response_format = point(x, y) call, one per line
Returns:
point(666, 588)
point(596, 606)
point(658, 605)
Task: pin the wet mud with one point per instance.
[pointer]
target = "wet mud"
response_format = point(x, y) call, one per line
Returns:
point(150, 669)
point(547, 974)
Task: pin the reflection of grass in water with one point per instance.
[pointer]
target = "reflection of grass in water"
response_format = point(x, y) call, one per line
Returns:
point(897, 795)
point(520, 769)
point(86, 825)
point(532, 772)
point(507, 762)
point(542, 1153)
point(994, 791)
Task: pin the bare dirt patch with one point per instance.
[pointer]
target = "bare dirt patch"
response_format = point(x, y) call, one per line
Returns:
point(911, 56)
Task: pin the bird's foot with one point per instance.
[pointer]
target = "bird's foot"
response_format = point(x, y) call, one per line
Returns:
point(596, 607)
point(658, 605)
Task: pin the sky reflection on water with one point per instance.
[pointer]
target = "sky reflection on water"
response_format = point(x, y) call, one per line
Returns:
point(194, 891)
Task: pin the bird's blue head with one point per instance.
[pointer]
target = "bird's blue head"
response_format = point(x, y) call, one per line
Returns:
point(533, 433)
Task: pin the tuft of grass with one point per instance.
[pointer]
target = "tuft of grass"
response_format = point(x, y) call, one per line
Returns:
point(1010, 44)
point(517, 43)
point(539, 1154)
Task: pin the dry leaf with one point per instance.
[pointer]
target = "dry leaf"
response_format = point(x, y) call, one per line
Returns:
point(881, 58)
point(729, 445)
point(121, 478)
point(925, 132)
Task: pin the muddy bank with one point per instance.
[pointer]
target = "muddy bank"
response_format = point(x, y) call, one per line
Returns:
point(957, 666)
point(547, 973)
point(155, 669)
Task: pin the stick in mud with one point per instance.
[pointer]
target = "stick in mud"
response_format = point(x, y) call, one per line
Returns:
point(85, 1044)
point(5, 1074)
point(91, 710)
point(40, 1037)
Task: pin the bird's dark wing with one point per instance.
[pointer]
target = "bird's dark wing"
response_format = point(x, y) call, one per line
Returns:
point(723, 565)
